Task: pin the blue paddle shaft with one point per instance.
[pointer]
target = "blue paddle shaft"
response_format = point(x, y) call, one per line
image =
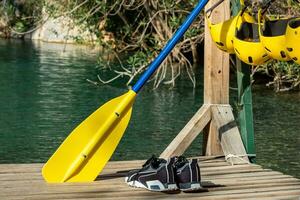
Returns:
point(170, 45)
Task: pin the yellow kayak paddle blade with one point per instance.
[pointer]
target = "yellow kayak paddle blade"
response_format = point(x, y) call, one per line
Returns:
point(85, 152)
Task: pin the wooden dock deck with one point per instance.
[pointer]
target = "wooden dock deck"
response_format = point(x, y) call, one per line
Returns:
point(222, 181)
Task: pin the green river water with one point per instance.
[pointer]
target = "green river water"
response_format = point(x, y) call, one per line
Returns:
point(44, 95)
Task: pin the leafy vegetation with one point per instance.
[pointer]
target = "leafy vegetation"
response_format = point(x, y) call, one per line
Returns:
point(285, 76)
point(140, 28)
point(21, 15)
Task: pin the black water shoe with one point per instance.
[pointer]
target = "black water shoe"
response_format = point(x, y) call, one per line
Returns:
point(187, 175)
point(156, 175)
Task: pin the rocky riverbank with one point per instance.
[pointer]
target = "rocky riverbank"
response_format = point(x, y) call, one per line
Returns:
point(3, 27)
point(61, 30)
point(55, 29)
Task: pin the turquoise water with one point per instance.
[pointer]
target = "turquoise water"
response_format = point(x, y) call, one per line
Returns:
point(44, 95)
point(277, 130)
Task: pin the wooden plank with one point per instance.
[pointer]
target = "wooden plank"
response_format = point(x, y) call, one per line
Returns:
point(188, 134)
point(117, 191)
point(112, 181)
point(138, 193)
point(260, 174)
point(208, 171)
point(204, 167)
point(13, 177)
point(228, 134)
point(120, 181)
point(112, 165)
point(258, 193)
point(190, 198)
point(277, 197)
point(119, 184)
point(109, 169)
point(252, 181)
point(242, 178)
point(119, 188)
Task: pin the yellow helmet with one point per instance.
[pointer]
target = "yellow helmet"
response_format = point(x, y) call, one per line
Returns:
point(222, 33)
point(293, 39)
point(247, 45)
point(272, 36)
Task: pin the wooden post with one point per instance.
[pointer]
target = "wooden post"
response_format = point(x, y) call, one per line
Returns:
point(216, 62)
point(188, 134)
point(216, 78)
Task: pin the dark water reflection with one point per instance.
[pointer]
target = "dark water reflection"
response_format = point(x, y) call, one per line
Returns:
point(277, 130)
point(44, 95)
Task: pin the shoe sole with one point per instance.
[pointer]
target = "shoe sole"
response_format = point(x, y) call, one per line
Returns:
point(154, 185)
point(190, 187)
point(129, 183)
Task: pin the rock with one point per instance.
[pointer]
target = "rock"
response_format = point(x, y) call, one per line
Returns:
point(108, 37)
point(62, 30)
point(3, 23)
point(3, 27)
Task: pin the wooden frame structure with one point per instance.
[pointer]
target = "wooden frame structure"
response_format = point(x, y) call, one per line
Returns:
point(215, 118)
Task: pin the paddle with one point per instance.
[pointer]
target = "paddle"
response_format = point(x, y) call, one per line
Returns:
point(84, 153)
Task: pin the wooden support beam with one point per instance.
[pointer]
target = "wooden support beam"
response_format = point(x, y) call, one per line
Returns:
point(228, 134)
point(188, 134)
point(211, 142)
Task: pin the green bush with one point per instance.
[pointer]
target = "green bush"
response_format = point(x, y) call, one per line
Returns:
point(22, 15)
point(285, 75)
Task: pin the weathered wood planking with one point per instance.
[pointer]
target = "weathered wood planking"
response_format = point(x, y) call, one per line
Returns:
point(223, 181)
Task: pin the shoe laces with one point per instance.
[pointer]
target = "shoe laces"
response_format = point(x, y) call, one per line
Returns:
point(180, 161)
point(153, 161)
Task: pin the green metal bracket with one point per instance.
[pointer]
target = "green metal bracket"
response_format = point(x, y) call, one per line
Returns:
point(245, 113)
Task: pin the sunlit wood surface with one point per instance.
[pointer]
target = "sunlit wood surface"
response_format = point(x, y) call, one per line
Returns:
point(222, 181)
